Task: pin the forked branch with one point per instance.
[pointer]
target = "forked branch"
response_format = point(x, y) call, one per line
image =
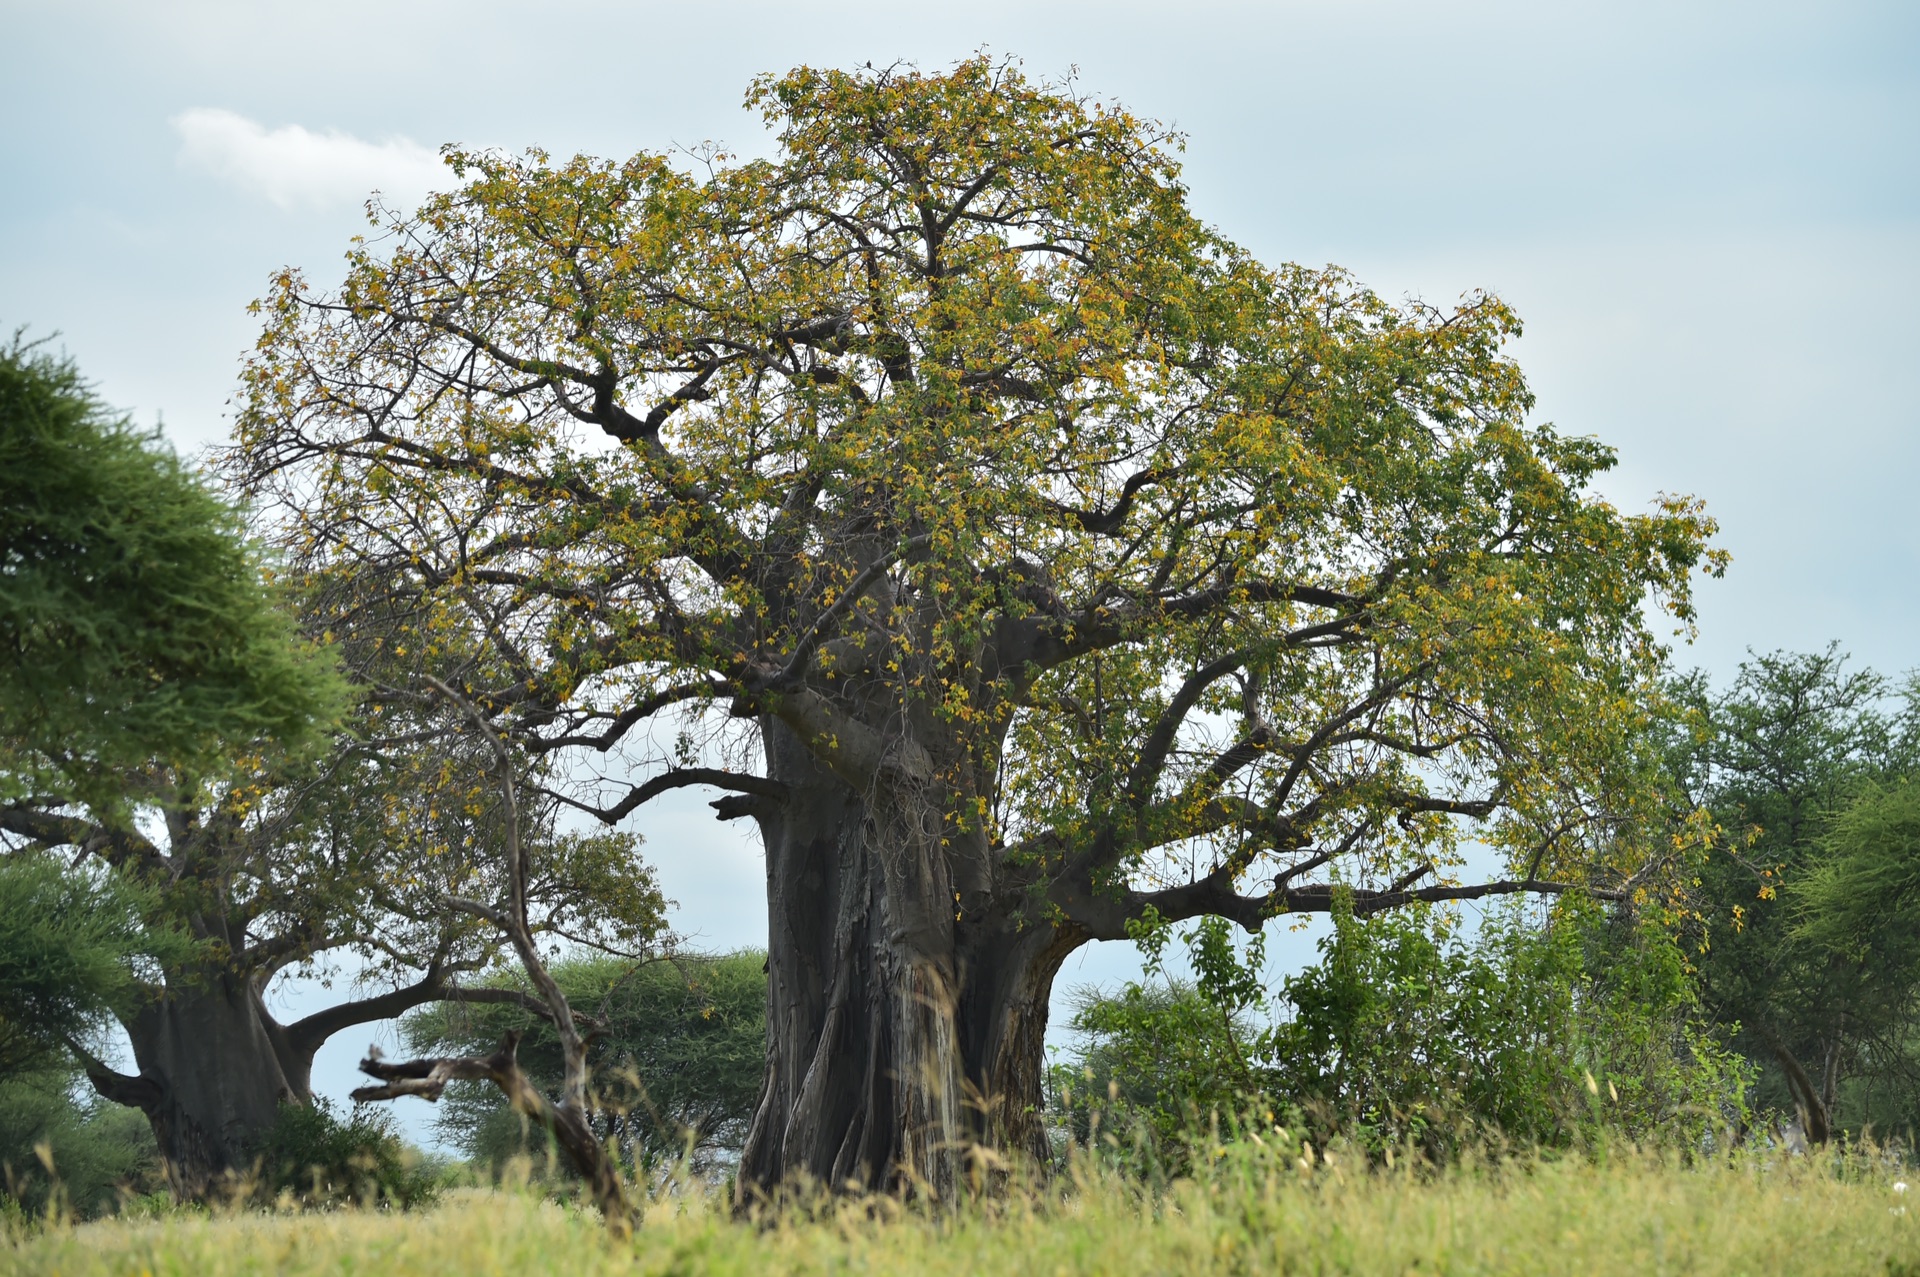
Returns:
point(566, 1123)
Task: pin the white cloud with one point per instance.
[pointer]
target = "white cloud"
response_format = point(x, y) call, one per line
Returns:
point(297, 168)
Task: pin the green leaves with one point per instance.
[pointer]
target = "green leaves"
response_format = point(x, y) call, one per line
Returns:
point(136, 627)
point(1412, 1030)
point(1809, 771)
point(677, 1063)
point(74, 946)
point(1860, 899)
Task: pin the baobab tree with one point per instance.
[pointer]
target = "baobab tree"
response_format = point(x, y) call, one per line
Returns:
point(1029, 562)
point(341, 868)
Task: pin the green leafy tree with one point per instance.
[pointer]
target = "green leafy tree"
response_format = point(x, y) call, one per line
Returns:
point(678, 1055)
point(1018, 552)
point(1790, 747)
point(136, 627)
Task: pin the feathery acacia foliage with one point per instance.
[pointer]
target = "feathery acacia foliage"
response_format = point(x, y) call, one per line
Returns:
point(135, 624)
point(72, 946)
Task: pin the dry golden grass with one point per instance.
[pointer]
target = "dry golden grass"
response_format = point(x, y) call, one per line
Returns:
point(1261, 1212)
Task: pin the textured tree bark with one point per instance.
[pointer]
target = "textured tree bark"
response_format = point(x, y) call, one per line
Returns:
point(214, 1069)
point(906, 1006)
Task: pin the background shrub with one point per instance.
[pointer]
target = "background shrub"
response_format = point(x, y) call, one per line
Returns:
point(318, 1158)
point(100, 1152)
point(1411, 1030)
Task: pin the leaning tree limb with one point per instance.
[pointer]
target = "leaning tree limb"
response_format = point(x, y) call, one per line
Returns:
point(566, 1122)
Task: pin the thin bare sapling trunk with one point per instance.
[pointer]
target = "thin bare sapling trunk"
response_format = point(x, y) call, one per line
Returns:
point(566, 1121)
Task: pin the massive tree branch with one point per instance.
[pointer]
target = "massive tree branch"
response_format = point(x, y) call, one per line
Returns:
point(1106, 918)
point(1052, 641)
point(1159, 744)
point(140, 1092)
point(115, 846)
point(677, 778)
point(313, 1031)
point(644, 708)
point(1107, 522)
point(810, 640)
point(854, 751)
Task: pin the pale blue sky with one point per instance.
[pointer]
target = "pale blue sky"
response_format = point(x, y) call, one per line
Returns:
point(1708, 214)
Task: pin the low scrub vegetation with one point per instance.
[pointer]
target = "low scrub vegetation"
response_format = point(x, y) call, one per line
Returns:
point(1413, 1030)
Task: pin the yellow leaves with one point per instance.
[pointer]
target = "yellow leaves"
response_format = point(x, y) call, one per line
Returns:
point(1300, 429)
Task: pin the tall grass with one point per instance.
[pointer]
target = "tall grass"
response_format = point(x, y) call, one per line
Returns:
point(1256, 1209)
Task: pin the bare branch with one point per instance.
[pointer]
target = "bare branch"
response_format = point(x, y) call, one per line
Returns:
point(678, 778)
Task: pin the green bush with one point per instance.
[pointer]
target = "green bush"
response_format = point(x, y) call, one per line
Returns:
point(69, 1154)
point(71, 942)
point(1408, 1032)
point(1548, 1035)
point(319, 1159)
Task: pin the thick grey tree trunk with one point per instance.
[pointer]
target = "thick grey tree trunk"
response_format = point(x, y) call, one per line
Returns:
point(214, 1069)
point(906, 1006)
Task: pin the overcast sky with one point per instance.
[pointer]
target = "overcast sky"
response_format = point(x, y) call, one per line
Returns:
point(1708, 215)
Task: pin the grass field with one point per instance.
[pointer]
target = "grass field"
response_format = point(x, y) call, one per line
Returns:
point(1259, 1213)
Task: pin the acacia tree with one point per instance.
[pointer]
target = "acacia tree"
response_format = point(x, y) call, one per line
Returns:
point(1038, 565)
point(1806, 763)
point(135, 621)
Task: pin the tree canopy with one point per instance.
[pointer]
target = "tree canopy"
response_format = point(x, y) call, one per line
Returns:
point(945, 470)
point(136, 626)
